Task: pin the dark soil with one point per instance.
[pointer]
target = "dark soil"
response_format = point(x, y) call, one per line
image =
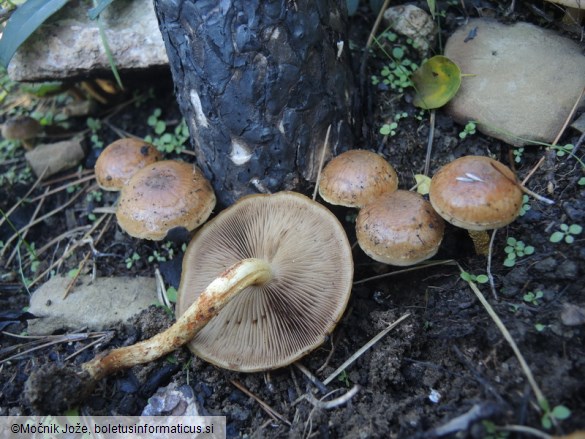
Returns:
point(445, 360)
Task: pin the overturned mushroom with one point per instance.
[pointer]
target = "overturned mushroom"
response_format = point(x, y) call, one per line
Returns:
point(272, 324)
point(162, 196)
point(121, 159)
point(278, 280)
point(356, 177)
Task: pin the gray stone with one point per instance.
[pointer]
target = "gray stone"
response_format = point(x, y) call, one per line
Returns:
point(94, 305)
point(413, 22)
point(527, 79)
point(69, 44)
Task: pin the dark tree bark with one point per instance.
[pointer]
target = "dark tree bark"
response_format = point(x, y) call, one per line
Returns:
point(259, 82)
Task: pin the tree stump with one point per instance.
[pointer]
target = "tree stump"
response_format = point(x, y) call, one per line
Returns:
point(259, 82)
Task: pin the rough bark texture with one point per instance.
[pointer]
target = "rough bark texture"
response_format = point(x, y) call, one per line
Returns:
point(259, 82)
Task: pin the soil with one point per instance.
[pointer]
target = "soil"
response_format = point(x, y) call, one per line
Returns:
point(446, 361)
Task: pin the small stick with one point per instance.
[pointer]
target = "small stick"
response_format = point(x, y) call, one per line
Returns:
point(508, 337)
point(312, 378)
point(430, 143)
point(65, 186)
point(406, 270)
point(269, 410)
point(321, 162)
point(19, 202)
point(364, 348)
point(326, 405)
point(489, 264)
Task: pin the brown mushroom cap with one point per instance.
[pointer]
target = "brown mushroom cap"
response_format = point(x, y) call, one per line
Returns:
point(356, 177)
point(121, 159)
point(271, 325)
point(400, 228)
point(162, 196)
point(21, 128)
point(476, 193)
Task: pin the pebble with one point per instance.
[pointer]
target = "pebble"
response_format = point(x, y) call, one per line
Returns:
point(526, 81)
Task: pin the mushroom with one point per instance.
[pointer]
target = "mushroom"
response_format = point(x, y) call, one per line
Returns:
point(23, 129)
point(272, 324)
point(162, 196)
point(400, 228)
point(476, 193)
point(121, 159)
point(263, 284)
point(356, 177)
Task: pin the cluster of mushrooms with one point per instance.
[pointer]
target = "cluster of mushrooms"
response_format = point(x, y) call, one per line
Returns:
point(156, 195)
point(400, 227)
point(267, 279)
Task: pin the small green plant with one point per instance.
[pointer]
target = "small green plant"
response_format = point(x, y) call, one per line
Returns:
point(389, 129)
point(525, 205)
point(518, 154)
point(480, 278)
point(396, 74)
point(581, 181)
point(492, 432)
point(533, 297)
point(157, 256)
point(95, 125)
point(468, 130)
point(550, 416)
point(165, 141)
point(567, 233)
point(130, 261)
point(344, 378)
point(563, 150)
point(514, 250)
point(94, 197)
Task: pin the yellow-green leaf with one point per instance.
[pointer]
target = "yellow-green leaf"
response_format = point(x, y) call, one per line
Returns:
point(423, 184)
point(436, 82)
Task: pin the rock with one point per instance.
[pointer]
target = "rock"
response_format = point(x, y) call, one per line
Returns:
point(527, 79)
point(98, 305)
point(572, 315)
point(413, 22)
point(172, 401)
point(69, 44)
point(50, 158)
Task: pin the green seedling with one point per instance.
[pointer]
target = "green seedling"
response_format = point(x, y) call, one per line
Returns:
point(480, 278)
point(515, 250)
point(130, 261)
point(567, 233)
point(581, 181)
point(525, 205)
point(563, 150)
point(165, 141)
point(533, 297)
point(468, 130)
point(389, 129)
point(95, 125)
point(518, 154)
point(551, 416)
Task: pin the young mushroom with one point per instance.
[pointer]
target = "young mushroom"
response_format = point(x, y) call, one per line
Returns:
point(23, 129)
point(400, 228)
point(356, 177)
point(162, 196)
point(121, 159)
point(263, 283)
point(476, 193)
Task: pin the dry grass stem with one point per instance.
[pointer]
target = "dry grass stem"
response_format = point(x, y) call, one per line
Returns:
point(508, 337)
point(321, 162)
point(333, 403)
point(269, 410)
point(19, 202)
point(364, 348)
point(421, 266)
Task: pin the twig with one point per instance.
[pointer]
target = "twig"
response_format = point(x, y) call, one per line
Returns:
point(65, 186)
point(331, 404)
point(364, 348)
point(19, 202)
point(523, 364)
point(489, 264)
point(526, 430)
point(377, 24)
point(406, 270)
point(569, 117)
point(269, 410)
point(321, 162)
point(430, 143)
point(312, 378)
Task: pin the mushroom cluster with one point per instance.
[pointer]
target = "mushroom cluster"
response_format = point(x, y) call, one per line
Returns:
point(393, 226)
point(401, 228)
point(156, 195)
